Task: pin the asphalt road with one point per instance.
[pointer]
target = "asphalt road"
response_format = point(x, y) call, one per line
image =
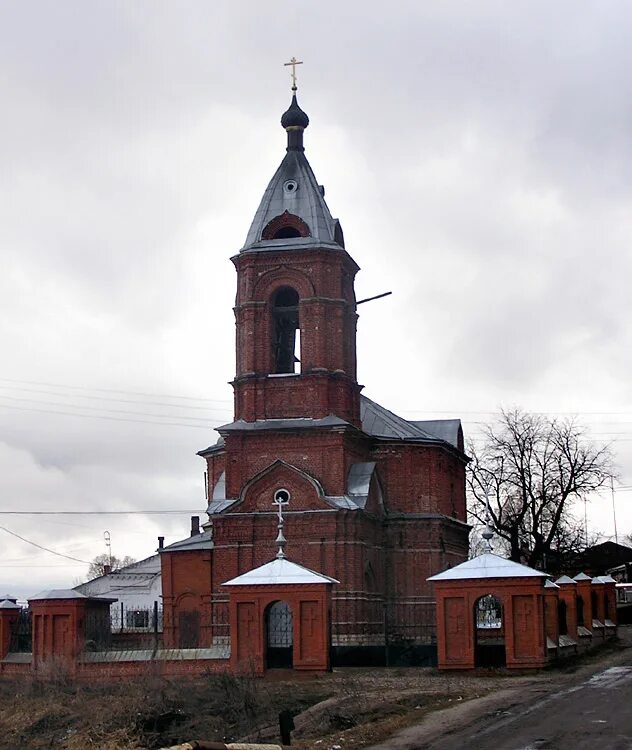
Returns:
point(591, 711)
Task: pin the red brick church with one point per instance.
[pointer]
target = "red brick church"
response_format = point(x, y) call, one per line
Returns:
point(369, 498)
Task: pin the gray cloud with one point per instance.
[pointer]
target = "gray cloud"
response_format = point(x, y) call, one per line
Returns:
point(478, 157)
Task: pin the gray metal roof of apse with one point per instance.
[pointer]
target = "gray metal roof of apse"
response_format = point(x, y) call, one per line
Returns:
point(380, 422)
point(294, 189)
point(444, 429)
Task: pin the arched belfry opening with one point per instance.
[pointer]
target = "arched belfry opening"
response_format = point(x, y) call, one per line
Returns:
point(286, 332)
point(285, 226)
point(286, 233)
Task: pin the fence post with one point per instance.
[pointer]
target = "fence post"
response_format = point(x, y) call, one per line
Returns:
point(122, 616)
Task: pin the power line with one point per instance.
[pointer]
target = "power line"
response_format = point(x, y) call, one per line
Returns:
point(111, 390)
point(95, 512)
point(39, 546)
point(574, 412)
point(104, 409)
point(110, 419)
point(139, 402)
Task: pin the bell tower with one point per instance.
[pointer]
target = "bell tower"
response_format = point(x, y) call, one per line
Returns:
point(295, 310)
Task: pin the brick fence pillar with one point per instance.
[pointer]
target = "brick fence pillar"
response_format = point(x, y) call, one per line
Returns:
point(59, 627)
point(9, 614)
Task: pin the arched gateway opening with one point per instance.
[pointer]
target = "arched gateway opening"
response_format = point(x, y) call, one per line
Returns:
point(279, 636)
point(489, 632)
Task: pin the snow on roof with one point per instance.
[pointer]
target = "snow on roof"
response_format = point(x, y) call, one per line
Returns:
point(597, 579)
point(279, 572)
point(548, 584)
point(64, 594)
point(9, 604)
point(607, 579)
point(487, 565)
point(581, 577)
point(564, 579)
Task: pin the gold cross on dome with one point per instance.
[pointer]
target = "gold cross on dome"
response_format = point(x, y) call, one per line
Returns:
point(293, 62)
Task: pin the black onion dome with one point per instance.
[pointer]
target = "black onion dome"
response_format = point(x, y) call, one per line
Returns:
point(294, 117)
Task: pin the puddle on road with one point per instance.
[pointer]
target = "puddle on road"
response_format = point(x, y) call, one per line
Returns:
point(611, 677)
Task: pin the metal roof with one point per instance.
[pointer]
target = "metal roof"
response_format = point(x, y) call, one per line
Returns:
point(9, 604)
point(135, 575)
point(66, 594)
point(380, 422)
point(562, 580)
point(298, 423)
point(197, 542)
point(581, 577)
point(359, 482)
point(607, 579)
point(279, 572)
point(487, 565)
point(548, 584)
point(294, 189)
point(219, 491)
point(444, 429)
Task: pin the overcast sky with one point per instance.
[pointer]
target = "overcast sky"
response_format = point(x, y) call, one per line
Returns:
point(478, 155)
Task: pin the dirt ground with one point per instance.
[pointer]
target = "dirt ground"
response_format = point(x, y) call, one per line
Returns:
point(349, 708)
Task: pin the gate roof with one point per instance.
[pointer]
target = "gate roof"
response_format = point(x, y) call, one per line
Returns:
point(487, 565)
point(279, 571)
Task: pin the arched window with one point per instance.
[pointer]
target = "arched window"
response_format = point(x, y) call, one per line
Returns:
point(286, 343)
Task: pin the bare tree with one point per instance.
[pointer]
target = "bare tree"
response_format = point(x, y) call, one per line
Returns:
point(103, 564)
point(535, 470)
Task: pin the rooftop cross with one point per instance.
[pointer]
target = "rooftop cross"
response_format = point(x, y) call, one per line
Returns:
point(293, 62)
point(281, 541)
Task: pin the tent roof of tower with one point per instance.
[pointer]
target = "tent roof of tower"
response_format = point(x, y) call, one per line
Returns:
point(196, 542)
point(295, 190)
point(487, 565)
point(279, 572)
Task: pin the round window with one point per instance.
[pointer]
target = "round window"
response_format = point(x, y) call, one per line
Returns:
point(282, 497)
point(290, 186)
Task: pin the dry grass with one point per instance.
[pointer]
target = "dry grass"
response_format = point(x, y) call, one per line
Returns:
point(349, 708)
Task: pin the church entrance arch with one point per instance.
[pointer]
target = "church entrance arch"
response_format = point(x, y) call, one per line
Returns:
point(279, 636)
point(489, 632)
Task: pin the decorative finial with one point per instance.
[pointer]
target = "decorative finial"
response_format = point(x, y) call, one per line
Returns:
point(293, 62)
point(281, 541)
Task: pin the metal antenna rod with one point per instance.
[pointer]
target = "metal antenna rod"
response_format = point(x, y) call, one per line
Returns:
point(370, 299)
